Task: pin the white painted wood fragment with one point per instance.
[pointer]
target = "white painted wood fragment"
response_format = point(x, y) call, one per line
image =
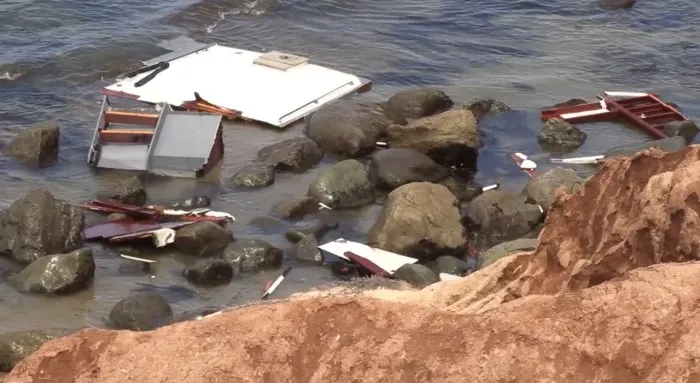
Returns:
point(131, 258)
point(386, 260)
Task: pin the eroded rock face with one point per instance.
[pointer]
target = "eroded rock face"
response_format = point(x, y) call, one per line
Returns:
point(416, 103)
point(419, 220)
point(295, 154)
point(39, 224)
point(37, 145)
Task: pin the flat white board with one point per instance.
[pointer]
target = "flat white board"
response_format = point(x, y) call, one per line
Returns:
point(388, 261)
point(229, 78)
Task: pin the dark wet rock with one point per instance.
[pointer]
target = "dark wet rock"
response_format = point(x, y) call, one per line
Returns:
point(449, 138)
point(686, 129)
point(464, 190)
point(416, 274)
point(668, 145)
point(142, 311)
point(267, 225)
point(317, 227)
point(296, 208)
point(253, 255)
point(307, 250)
point(501, 215)
point(116, 217)
point(209, 272)
point(37, 145)
point(395, 167)
point(254, 175)
point(297, 154)
point(416, 103)
point(569, 102)
point(559, 133)
point(57, 274)
point(542, 188)
point(343, 185)
point(202, 238)
point(39, 224)
point(348, 127)
point(481, 107)
point(612, 5)
point(505, 249)
point(130, 191)
point(419, 220)
point(193, 202)
point(449, 265)
point(15, 346)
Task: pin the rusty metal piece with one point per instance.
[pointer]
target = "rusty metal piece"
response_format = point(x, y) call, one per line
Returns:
point(202, 105)
point(116, 116)
point(125, 208)
point(119, 227)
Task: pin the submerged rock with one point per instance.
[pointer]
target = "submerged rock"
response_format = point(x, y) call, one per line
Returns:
point(416, 103)
point(612, 5)
point(39, 224)
point(559, 133)
point(569, 102)
point(686, 129)
point(296, 208)
point(254, 175)
point(16, 346)
point(130, 191)
point(464, 190)
point(57, 274)
point(501, 215)
point(142, 311)
point(306, 249)
point(37, 145)
point(395, 167)
point(543, 187)
point(343, 185)
point(318, 227)
point(295, 154)
point(209, 272)
point(348, 127)
point(202, 238)
point(481, 107)
point(449, 138)
point(248, 255)
point(419, 220)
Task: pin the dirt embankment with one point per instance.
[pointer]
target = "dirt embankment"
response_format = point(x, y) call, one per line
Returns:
point(610, 294)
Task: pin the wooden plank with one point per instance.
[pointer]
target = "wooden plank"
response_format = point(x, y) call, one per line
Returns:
point(126, 135)
point(115, 116)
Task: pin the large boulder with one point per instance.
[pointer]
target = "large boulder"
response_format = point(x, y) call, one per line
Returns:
point(416, 103)
point(343, 185)
point(419, 220)
point(255, 175)
point(559, 134)
point(348, 127)
point(39, 224)
point(248, 255)
point(15, 346)
point(481, 107)
point(130, 190)
point(142, 311)
point(501, 215)
point(542, 188)
point(37, 146)
point(57, 274)
point(209, 272)
point(202, 238)
point(297, 154)
point(395, 167)
point(449, 138)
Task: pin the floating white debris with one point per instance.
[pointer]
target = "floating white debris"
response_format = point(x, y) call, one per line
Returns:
point(386, 260)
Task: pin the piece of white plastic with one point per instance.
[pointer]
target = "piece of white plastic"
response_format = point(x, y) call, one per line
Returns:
point(163, 237)
point(528, 165)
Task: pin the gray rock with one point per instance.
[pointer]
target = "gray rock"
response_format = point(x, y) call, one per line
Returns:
point(501, 215)
point(416, 274)
point(343, 185)
point(296, 208)
point(37, 145)
point(253, 255)
point(295, 154)
point(307, 250)
point(686, 129)
point(419, 220)
point(542, 188)
point(613, 5)
point(267, 225)
point(449, 265)
point(481, 107)
point(16, 346)
point(39, 224)
point(416, 103)
point(395, 167)
point(450, 138)
point(559, 133)
point(348, 127)
point(317, 227)
point(130, 191)
point(202, 238)
point(464, 190)
point(254, 175)
point(142, 311)
point(57, 274)
point(505, 249)
point(209, 272)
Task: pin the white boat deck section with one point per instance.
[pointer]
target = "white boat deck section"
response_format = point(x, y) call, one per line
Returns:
point(229, 78)
point(388, 261)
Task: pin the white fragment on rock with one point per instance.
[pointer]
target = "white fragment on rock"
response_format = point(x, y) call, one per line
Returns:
point(323, 206)
point(449, 277)
point(144, 260)
point(490, 187)
point(163, 237)
point(528, 164)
